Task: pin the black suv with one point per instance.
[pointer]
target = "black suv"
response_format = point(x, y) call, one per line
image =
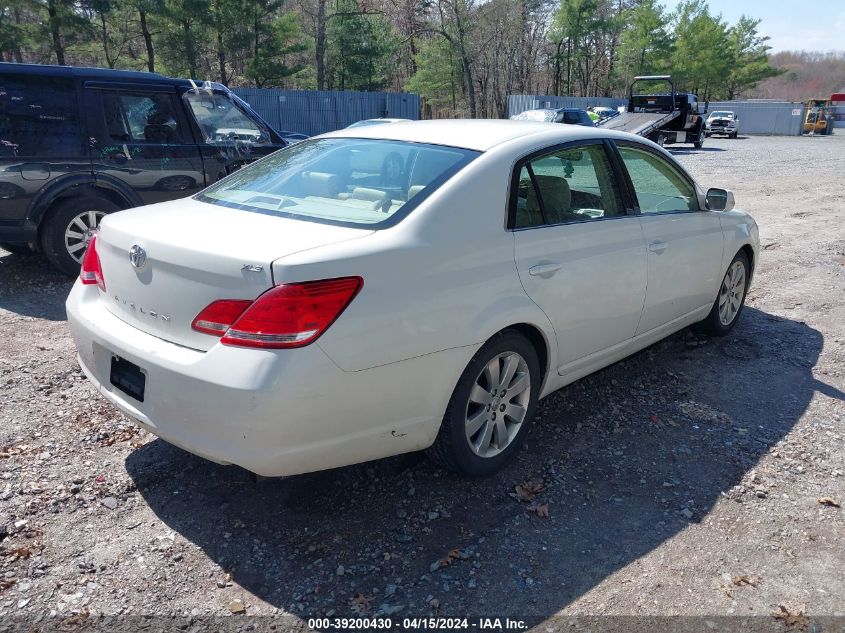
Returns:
point(571, 116)
point(78, 143)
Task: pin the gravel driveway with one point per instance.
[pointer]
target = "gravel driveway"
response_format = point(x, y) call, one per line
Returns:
point(700, 477)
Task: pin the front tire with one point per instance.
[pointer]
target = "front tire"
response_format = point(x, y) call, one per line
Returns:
point(491, 408)
point(68, 227)
point(731, 299)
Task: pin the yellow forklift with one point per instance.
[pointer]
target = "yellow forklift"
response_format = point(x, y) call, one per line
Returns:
point(819, 117)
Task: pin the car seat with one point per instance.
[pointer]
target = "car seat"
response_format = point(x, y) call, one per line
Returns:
point(161, 125)
point(557, 199)
point(321, 184)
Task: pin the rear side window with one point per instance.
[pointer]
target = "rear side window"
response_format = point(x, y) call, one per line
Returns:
point(574, 184)
point(39, 117)
point(571, 117)
point(659, 186)
point(142, 118)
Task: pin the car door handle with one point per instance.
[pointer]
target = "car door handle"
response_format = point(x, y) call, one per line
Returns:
point(544, 270)
point(657, 246)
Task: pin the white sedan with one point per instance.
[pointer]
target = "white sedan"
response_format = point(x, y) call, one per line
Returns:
point(399, 287)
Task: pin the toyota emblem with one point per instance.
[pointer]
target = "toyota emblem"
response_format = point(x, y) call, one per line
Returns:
point(137, 257)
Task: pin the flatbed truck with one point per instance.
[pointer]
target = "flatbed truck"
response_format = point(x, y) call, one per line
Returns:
point(664, 118)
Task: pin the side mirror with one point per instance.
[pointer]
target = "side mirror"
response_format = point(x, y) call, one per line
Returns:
point(719, 199)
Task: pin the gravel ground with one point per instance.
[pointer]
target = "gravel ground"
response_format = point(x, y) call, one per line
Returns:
point(700, 477)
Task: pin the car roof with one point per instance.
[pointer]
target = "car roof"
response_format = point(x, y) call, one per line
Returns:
point(84, 72)
point(475, 134)
point(556, 110)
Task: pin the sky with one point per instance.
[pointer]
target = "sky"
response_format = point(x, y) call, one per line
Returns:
point(791, 24)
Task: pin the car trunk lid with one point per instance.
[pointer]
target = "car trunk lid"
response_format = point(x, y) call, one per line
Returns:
point(189, 253)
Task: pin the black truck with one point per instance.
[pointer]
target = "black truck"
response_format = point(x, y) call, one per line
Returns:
point(663, 118)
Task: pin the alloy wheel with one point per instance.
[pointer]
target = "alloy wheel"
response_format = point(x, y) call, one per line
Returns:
point(731, 293)
point(79, 232)
point(498, 404)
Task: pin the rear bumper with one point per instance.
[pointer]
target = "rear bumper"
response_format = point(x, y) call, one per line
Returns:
point(273, 412)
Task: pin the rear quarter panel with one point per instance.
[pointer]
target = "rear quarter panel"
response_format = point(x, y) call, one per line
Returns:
point(442, 278)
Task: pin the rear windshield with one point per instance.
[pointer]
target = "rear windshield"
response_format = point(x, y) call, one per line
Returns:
point(343, 181)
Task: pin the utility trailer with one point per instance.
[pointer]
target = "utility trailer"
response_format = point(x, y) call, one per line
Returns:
point(662, 118)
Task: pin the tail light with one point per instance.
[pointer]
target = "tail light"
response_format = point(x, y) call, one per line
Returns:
point(219, 316)
point(91, 271)
point(290, 315)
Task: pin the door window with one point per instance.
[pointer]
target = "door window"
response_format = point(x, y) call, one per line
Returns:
point(567, 185)
point(221, 119)
point(660, 188)
point(142, 118)
point(571, 117)
point(39, 117)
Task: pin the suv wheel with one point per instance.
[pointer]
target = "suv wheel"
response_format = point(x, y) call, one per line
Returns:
point(68, 227)
point(491, 408)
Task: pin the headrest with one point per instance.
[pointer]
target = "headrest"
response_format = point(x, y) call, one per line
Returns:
point(412, 191)
point(322, 184)
point(365, 193)
point(557, 198)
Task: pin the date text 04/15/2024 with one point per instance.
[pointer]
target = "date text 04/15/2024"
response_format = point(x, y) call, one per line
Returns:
point(423, 623)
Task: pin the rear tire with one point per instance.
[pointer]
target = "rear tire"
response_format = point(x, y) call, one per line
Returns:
point(66, 230)
point(503, 379)
point(731, 299)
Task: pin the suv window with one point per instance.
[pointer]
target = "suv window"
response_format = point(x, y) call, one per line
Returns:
point(142, 118)
point(574, 184)
point(659, 186)
point(571, 117)
point(221, 120)
point(39, 117)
